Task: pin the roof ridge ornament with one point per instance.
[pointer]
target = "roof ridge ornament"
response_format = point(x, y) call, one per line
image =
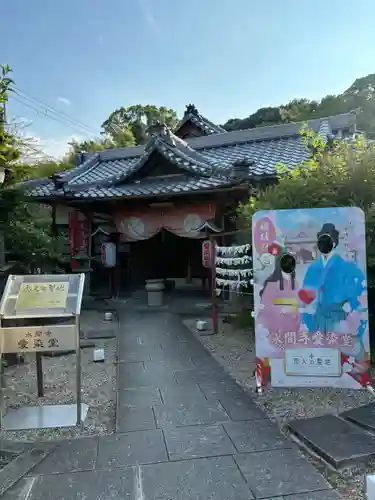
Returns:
point(161, 132)
point(241, 168)
point(191, 110)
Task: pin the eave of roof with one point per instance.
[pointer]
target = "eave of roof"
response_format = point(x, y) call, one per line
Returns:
point(147, 189)
point(201, 156)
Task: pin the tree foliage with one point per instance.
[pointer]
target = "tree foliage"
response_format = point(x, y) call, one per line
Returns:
point(134, 121)
point(360, 96)
point(26, 227)
point(342, 174)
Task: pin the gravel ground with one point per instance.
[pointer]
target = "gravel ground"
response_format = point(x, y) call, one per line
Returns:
point(6, 458)
point(98, 391)
point(234, 349)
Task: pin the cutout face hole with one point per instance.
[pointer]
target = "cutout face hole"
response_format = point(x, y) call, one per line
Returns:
point(325, 244)
point(288, 263)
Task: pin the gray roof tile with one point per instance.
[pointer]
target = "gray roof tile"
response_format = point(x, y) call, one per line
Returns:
point(141, 189)
point(201, 122)
point(208, 159)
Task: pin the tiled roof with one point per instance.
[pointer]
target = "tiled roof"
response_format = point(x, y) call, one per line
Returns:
point(207, 161)
point(140, 189)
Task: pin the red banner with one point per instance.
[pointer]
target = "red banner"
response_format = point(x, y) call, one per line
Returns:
point(78, 236)
point(207, 253)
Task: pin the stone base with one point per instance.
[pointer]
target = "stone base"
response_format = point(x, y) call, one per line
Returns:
point(43, 417)
point(363, 416)
point(336, 441)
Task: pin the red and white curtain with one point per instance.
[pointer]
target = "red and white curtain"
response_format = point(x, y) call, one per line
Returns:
point(183, 221)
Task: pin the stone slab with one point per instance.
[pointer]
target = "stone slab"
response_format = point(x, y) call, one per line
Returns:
point(43, 417)
point(69, 456)
point(279, 472)
point(338, 442)
point(169, 366)
point(258, 435)
point(175, 415)
point(6, 457)
point(197, 442)
point(106, 331)
point(175, 395)
point(241, 407)
point(133, 375)
point(214, 389)
point(208, 478)
point(194, 350)
point(123, 450)
point(134, 355)
point(207, 362)
point(19, 467)
point(200, 375)
point(316, 495)
point(134, 419)
point(93, 485)
point(363, 416)
point(142, 397)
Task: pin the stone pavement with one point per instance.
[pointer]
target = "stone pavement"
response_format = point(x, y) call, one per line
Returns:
point(185, 431)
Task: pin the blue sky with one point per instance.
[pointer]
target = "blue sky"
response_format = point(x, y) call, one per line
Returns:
point(88, 57)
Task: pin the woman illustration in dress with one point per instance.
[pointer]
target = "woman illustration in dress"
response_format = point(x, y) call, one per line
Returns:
point(279, 302)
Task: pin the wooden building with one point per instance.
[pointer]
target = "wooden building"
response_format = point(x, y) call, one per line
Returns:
point(158, 201)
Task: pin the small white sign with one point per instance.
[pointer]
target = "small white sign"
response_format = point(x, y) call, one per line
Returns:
point(38, 339)
point(313, 362)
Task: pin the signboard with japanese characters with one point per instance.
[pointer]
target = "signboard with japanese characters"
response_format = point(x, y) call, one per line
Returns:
point(315, 362)
point(35, 304)
point(38, 339)
point(206, 253)
point(41, 296)
point(310, 297)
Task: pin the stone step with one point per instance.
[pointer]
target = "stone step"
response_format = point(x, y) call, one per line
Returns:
point(338, 442)
point(363, 416)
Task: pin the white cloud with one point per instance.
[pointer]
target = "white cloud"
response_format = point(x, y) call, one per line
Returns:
point(101, 40)
point(64, 100)
point(38, 148)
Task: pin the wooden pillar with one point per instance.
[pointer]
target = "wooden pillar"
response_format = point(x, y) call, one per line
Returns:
point(90, 218)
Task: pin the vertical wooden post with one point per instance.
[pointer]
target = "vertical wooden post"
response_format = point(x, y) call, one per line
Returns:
point(78, 371)
point(213, 285)
point(89, 219)
point(39, 374)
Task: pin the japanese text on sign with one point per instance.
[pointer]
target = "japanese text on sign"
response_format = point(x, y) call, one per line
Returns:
point(206, 253)
point(318, 339)
point(264, 234)
point(42, 296)
point(316, 362)
point(38, 338)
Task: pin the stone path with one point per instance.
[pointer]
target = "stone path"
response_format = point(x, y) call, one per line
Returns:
point(348, 439)
point(185, 431)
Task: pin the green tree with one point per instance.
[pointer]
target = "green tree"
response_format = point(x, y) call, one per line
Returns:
point(360, 96)
point(26, 227)
point(134, 122)
point(342, 174)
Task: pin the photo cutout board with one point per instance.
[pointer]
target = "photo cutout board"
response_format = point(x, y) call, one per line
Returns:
point(310, 298)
